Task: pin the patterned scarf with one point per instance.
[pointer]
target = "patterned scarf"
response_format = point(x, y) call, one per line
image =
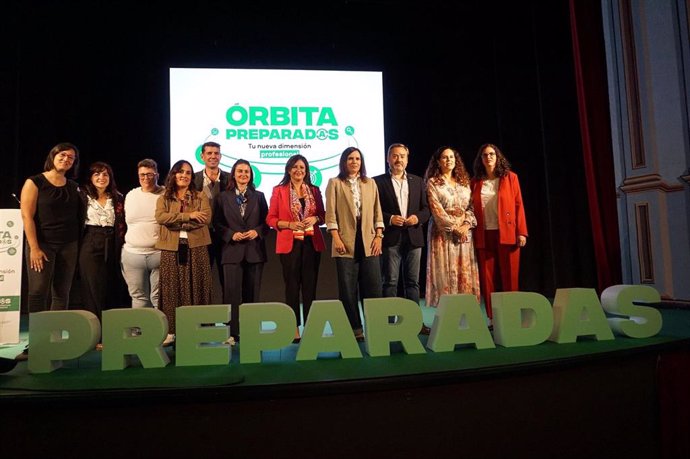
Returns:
point(241, 200)
point(356, 194)
point(299, 213)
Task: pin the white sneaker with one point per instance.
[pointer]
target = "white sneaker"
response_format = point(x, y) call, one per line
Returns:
point(169, 340)
point(230, 341)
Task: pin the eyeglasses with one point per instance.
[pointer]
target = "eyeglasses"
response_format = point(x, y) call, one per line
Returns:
point(150, 175)
point(489, 154)
point(66, 156)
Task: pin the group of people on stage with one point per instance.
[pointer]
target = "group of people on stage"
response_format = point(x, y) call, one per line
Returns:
point(166, 239)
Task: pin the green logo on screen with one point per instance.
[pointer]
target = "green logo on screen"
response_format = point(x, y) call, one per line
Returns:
point(290, 123)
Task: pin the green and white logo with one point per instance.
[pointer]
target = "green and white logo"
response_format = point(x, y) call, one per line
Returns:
point(267, 116)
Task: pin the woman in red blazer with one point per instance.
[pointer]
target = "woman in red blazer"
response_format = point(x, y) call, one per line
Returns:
point(501, 226)
point(296, 211)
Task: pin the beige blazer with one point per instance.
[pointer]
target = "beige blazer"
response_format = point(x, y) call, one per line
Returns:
point(172, 220)
point(340, 214)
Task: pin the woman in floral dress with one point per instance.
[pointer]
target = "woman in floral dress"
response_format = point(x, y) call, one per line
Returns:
point(451, 264)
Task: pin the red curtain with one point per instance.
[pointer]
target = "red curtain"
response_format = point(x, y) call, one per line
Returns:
point(592, 93)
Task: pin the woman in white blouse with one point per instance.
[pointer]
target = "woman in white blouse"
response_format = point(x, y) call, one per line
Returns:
point(101, 243)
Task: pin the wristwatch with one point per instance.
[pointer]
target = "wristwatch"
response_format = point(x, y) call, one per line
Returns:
point(379, 235)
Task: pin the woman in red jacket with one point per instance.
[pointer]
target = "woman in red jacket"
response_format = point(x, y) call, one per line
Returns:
point(501, 226)
point(296, 211)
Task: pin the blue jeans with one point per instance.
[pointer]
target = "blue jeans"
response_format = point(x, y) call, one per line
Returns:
point(410, 258)
point(357, 279)
point(141, 272)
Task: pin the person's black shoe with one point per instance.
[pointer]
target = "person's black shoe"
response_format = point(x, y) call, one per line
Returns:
point(7, 364)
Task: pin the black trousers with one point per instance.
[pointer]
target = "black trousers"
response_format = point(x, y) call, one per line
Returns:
point(301, 273)
point(98, 270)
point(50, 288)
point(241, 284)
point(215, 254)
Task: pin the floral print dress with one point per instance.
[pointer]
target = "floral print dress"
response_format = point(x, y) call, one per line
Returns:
point(451, 264)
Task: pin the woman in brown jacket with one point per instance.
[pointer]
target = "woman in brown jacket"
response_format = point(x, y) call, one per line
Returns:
point(185, 271)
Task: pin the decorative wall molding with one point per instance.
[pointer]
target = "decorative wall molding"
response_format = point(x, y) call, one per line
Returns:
point(632, 87)
point(685, 177)
point(644, 243)
point(649, 182)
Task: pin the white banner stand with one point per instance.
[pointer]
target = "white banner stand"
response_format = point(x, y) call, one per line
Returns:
point(11, 258)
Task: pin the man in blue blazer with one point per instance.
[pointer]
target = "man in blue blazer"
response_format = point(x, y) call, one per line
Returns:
point(405, 211)
point(212, 181)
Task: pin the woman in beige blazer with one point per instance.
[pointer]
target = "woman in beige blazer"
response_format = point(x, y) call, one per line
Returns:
point(355, 222)
point(185, 271)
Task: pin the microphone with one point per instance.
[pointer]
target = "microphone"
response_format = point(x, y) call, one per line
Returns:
point(16, 199)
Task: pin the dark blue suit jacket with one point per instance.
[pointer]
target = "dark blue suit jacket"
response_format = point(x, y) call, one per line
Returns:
point(417, 205)
point(227, 221)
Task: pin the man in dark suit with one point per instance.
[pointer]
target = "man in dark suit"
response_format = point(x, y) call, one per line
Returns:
point(212, 180)
point(405, 211)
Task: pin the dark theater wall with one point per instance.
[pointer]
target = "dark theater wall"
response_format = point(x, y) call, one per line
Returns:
point(460, 73)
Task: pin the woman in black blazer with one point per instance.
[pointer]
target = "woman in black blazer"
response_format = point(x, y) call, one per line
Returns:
point(239, 218)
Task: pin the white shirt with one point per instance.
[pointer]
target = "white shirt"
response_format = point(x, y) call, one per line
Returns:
point(489, 196)
point(211, 187)
point(356, 195)
point(140, 215)
point(402, 193)
point(98, 215)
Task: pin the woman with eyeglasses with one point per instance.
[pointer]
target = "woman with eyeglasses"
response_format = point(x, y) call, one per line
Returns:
point(51, 213)
point(240, 220)
point(296, 212)
point(101, 244)
point(141, 259)
point(185, 271)
point(451, 263)
point(501, 226)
